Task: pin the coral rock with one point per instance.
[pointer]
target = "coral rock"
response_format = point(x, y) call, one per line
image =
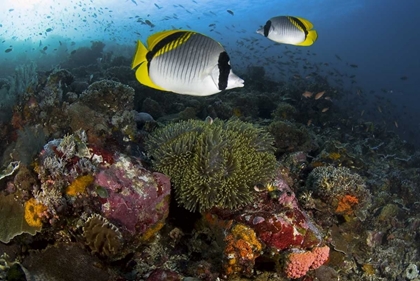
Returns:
point(242, 248)
point(138, 200)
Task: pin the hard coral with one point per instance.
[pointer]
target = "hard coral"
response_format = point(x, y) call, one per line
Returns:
point(343, 191)
point(101, 236)
point(298, 263)
point(213, 164)
point(33, 211)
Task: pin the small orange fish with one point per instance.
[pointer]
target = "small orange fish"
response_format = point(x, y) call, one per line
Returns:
point(307, 94)
point(319, 95)
point(325, 109)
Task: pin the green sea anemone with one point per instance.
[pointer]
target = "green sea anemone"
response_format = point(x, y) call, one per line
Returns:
point(214, 164)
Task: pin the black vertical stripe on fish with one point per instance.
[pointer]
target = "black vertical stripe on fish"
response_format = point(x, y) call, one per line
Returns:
point(301, 25)
point(267, 28)
point(224, 70)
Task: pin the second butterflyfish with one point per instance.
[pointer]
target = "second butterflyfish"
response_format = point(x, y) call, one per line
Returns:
point(289, 30)
point(184, 62)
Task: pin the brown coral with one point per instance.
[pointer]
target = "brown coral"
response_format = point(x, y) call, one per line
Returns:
point(101, 236)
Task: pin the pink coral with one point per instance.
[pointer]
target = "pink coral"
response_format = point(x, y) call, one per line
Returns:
point(321, 256)
point(298, 263)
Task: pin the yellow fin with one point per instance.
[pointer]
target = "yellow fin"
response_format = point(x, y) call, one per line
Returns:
point(142, 75)
point(140, 55)
point(310, 38)
point(306, 23)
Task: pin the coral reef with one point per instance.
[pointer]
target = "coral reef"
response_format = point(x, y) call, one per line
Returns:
point(101, 236)
point(33, 212)
point(298, 263)
point(290, 137)
point(241, 250)
point(13, 219)
point(213, 164)
point(137, 200)
point(342, 192)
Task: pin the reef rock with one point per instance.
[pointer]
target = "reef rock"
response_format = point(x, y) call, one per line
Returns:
point(138, 200)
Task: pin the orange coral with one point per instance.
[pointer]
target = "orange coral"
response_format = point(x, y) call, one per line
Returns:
point(242, 248)
point(79, 185)
point(33, 211)
point(346, 204)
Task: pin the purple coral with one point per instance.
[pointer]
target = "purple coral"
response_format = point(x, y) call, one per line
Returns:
point(137, 199)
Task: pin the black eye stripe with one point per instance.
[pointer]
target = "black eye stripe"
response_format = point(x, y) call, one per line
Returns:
point(224, 70)
point(267, 28)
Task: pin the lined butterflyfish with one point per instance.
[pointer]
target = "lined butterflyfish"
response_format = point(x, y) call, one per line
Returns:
point(289, 30)
point(184, 62)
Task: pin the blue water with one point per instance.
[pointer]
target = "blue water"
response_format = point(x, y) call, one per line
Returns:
point(379, 36)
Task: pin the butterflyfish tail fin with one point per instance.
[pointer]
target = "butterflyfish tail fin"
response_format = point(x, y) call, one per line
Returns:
point(310, 38)
point(140, 55)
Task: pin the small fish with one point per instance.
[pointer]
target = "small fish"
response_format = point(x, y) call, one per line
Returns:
point(174, 61)
point(209, 120)
point(328, 98)
point(396, 124)
point(354, 65)
point(289, 30)
point(309, 122)
point(157, 6)
point(307, 94)
point(48, 29)
point(133, 1)
point(404, 78)
point(45, 48)
point(319, 95)
point(73, 52)
point(8, 50)
point(338, 57)
point(325, 109)
point(363, 112)
point(379, 109)
point(149, 23)
point(230, 12)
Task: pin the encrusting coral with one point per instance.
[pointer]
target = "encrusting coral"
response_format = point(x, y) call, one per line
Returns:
point(33, 211)
point(213, 164)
